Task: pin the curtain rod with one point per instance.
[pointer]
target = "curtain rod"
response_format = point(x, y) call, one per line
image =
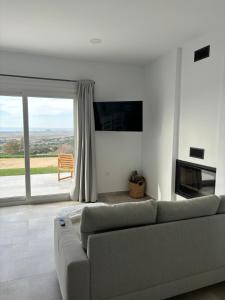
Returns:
point(43, 78)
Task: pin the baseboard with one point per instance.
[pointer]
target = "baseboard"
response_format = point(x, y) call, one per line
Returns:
point(36, 200)
point(13, 203)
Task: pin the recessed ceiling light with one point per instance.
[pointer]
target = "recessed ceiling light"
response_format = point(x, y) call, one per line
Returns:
point(95, 41)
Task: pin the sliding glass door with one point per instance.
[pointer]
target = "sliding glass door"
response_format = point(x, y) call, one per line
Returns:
point(51, 134)
point(12, 166)
point(36, 146)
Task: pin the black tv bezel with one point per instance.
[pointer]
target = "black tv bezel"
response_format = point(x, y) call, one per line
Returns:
point(114, 130)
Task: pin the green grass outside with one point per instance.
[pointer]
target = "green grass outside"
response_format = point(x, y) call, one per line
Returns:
point(21, 171)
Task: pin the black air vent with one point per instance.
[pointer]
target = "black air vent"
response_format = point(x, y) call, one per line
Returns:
point(202, 53)
point(197, 153)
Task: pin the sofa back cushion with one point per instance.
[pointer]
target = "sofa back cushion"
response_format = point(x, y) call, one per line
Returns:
point(134, 263)
point(169, 211)
point(118, 216)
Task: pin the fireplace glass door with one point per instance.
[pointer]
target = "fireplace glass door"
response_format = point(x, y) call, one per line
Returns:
point(194, 180)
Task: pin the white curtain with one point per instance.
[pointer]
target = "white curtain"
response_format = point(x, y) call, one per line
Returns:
point(85, 189)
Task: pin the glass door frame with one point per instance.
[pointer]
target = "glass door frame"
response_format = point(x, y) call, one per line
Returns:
point(28, 198)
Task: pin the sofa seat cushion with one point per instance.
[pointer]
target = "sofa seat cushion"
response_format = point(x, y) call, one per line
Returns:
point(169, 211)
point(117, 216)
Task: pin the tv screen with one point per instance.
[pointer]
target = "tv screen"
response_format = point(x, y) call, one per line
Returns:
point(118, 116)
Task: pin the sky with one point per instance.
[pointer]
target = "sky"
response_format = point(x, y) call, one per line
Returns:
point(48, 113)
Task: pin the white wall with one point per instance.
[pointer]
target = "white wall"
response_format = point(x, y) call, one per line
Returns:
point(159, 125)
point(201, 85)
point(182, 111)
point(117, 153)
point(202, 119)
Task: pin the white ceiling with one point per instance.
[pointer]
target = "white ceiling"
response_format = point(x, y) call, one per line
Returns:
point(132, 30)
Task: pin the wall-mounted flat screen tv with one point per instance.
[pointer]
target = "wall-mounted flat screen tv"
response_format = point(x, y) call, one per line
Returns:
point(118, 116)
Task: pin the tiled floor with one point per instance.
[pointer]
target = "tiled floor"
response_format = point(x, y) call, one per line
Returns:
point(27, 270)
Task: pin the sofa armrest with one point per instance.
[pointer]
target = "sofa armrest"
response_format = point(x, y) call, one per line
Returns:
point(72, 263)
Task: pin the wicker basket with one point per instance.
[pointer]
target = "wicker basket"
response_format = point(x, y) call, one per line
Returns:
point(136, 190)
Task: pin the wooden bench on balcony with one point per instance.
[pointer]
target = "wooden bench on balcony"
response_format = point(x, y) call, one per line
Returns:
point(65, 164)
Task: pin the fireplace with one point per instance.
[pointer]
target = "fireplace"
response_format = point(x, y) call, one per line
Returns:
point(194, 180)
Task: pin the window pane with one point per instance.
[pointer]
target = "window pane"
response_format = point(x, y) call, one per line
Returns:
point(51, 133)
point(12, 179)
